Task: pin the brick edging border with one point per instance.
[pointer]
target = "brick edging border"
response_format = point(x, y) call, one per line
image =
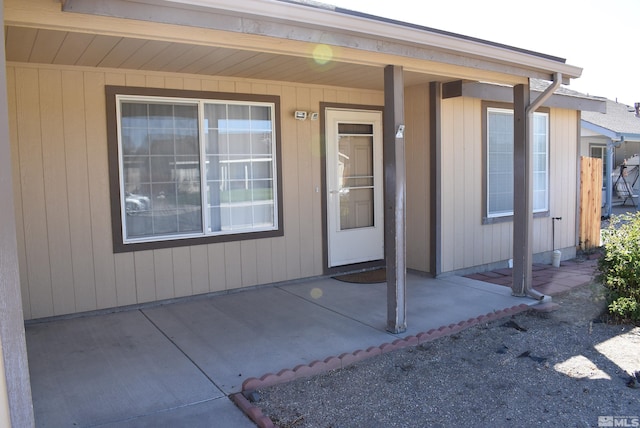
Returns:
point(343, 360)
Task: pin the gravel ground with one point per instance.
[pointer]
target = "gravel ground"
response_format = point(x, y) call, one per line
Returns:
point(563, 369)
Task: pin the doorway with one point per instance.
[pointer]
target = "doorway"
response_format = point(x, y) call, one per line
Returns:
point(354, 177)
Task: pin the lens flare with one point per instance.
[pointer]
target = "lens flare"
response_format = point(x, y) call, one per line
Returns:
point(322, 54)
point(316, 293)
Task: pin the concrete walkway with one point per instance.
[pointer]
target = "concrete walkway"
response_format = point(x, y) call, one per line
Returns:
point(176, 364)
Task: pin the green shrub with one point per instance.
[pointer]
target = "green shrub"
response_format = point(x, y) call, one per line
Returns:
point(620, 265)
point(625, 307)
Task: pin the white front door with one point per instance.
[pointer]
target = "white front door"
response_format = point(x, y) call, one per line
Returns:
point(355, 223)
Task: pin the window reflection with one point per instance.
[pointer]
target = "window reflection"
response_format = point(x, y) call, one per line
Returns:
point(162, 171)
point(355, 175)
point(239, 167)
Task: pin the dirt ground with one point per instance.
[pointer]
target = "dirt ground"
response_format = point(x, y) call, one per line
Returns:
point(568, 368)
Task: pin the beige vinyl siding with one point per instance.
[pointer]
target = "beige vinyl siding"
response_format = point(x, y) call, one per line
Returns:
point(418, 178)
point(79, 201)
point(31, 224)
point(54, 169)
point(17, 194)
point(199, 269)
point(290, 186)
point(305, 181)
point(59, 157)
point(467, 243)
point(98, 174)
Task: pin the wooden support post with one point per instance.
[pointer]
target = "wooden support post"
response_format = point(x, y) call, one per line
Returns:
point(15, 388)
point(435, 142)
point(394, 198)
point(522, 192)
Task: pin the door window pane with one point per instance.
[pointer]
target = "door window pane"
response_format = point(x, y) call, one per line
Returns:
point(355, 176)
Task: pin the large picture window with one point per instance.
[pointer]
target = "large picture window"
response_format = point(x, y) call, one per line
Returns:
point(499, 162)
point(193, 166)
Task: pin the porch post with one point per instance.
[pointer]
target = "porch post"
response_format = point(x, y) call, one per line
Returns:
point(394, 198)
point(435, 140)
point(15, 389)
point(608, 171)
point(522, 193)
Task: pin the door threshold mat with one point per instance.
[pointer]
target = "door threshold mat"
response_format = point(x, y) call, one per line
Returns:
point(366, 277)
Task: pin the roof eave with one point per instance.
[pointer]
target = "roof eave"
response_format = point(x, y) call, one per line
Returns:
point(389, 34)
point(613, 135)
point(499, 93)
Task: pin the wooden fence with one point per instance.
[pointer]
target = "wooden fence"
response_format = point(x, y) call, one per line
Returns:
point(590, 202)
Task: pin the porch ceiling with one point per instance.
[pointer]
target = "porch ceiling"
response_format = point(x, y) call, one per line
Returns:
point(46, 46)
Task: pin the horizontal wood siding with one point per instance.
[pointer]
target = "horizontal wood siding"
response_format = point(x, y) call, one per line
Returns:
point(467, 243)
point(59, 157)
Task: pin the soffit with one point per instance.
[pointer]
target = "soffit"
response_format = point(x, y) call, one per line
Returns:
point(46, 46)
point(306, 22)
point(153, 35)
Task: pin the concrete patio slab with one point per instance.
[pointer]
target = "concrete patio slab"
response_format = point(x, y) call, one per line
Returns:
point(100, 369)
point(246, 334)
point(463, 298)
point(363, 303)
point(175, 364)
point(220, 412)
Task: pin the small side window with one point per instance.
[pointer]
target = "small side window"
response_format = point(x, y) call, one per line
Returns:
point(498, 138)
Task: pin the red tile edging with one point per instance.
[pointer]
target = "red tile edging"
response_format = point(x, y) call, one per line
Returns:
point(343, 360)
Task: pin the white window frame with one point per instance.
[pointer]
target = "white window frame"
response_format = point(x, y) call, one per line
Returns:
point(536, 209)
point(204, 203)
point(602, 148)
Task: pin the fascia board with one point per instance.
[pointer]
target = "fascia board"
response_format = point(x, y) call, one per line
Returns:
point(329, 19)
point(600, 130)
point(630, 137)
point(491, 92)
point(616, 136)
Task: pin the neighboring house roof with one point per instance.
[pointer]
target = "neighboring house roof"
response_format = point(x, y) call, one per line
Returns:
point(619, 122)
point(561, 98)
point(569, 97)
point(538, 85)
